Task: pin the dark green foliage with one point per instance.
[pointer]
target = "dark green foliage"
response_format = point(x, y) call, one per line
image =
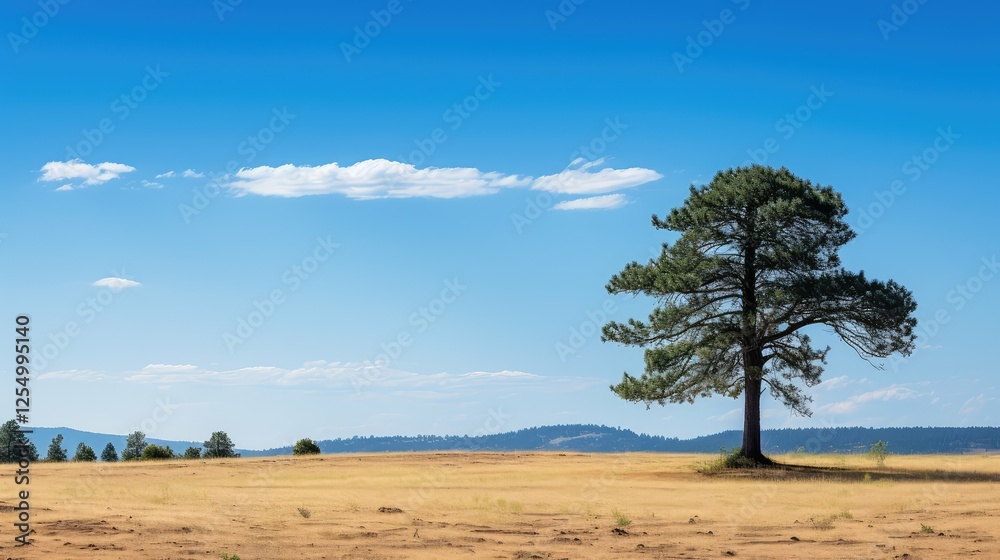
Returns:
point(14, 444)
point(56, 453)
point(135, 444)
point(153, 451)
point(305, 446)
point(755, 263)
point(219, 446)
point(84, 452)
point(192, 453)
point(109, 455)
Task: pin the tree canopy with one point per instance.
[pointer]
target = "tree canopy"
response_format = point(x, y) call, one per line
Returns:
point(84, 452)
point(305, 446)
point(109, 455)
point(219, 446)
point(56, 452)
point(756, 262)
point(135, 444)
point(14, 443)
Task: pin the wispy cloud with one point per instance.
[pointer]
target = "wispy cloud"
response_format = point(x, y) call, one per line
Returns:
point(893, 392)
point(348, 376)
point(92, 174)
point(191, 173)
point(166, 175)
point(605, 202)
point(116, 284)
point(579, 179)
point(74, 375)
point(975, 404)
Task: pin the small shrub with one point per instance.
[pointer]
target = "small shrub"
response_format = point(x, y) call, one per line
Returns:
point(154, 451)
point(621, 518)
point(926, 528)
point(225, 556)
point(823, 523)
point(305, 513)
point(878, 451)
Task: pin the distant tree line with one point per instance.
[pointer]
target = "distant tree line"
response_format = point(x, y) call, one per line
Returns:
point(13, 440)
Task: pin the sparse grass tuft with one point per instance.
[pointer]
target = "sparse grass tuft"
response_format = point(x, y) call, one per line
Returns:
point(926, 528)
point(225, 556)
point(304, 512)
point(621, 518)
point(731, 459)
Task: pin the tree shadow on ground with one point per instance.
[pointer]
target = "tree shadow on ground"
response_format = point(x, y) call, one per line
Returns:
point(780, 471)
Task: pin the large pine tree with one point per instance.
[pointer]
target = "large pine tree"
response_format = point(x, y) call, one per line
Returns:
point(756, 262)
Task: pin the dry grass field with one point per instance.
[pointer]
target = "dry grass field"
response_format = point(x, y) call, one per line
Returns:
point(509, 505)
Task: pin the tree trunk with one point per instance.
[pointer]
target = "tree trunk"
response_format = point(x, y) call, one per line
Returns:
point(751, 420)
point(753, 369)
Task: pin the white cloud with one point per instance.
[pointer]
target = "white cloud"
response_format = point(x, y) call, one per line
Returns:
point(166, 175)
point(579, 179)
point(351, 376)
point(893, 392)
point(151, 184)
point(74, 375)
point(65, 188)
point(381, 178)
point(116, 284)
point(605, 202)
point(167, 368)
point(192, 173)
point(836, 382)
point(92, 174)
point(374, 178)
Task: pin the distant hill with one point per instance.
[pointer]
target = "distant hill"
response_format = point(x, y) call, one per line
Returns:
point(603, 439)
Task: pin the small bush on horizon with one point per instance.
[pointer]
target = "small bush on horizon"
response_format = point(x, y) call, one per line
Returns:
point(305, 446)
point(225, 556)
point(926, 528)
point(153, 451)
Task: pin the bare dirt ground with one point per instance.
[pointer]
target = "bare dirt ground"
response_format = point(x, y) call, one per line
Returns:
point(509, 505)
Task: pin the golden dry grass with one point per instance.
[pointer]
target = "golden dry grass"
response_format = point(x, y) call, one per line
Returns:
point(510, 505)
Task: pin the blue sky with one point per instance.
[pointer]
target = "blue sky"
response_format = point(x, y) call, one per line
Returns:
point(227, 216)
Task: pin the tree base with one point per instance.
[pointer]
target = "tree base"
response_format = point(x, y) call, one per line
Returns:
point(736, 459)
